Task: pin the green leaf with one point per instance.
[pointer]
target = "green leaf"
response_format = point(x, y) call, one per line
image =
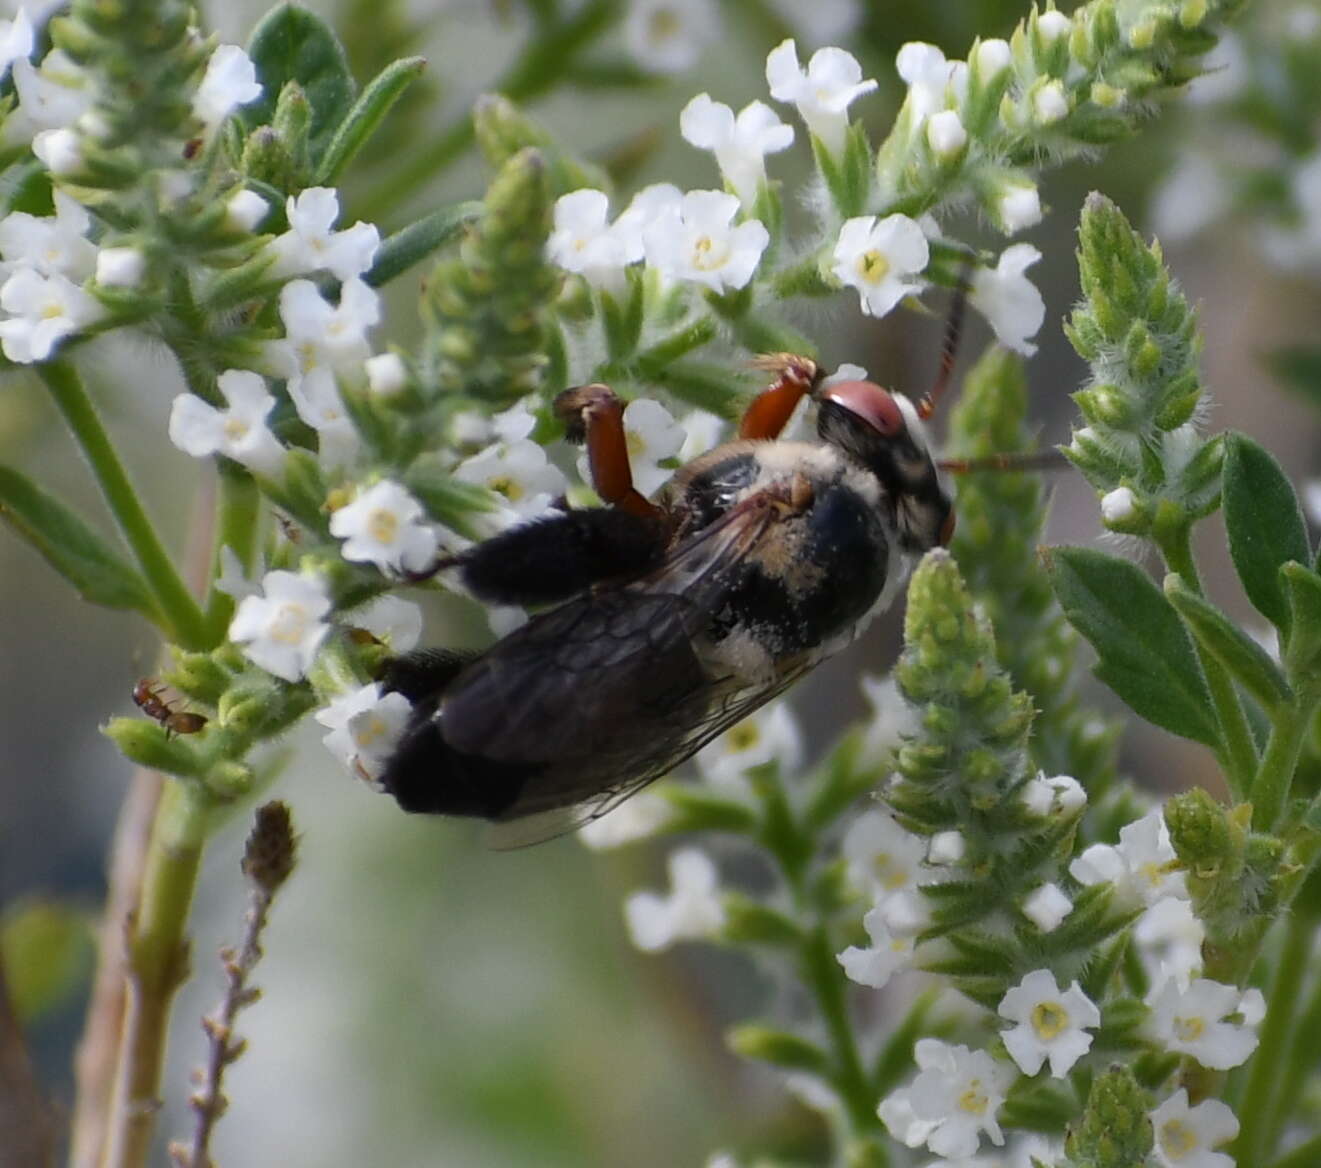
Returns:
point(294, 44)
point(449, 500)
point(1145, 654)
point(1229, 644)
point(1265, 525)
point(71, 547)
point(777, 1047)
point(414, 243)
point(1303, 655)
point(46, 950)
point(367, 113)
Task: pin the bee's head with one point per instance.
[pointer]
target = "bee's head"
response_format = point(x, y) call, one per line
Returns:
point(882, 432)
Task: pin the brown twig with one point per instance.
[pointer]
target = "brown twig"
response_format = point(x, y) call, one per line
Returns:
point(267, 861)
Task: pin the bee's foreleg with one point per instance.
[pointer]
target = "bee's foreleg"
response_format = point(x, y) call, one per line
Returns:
point(594, 414)
point(771, 409)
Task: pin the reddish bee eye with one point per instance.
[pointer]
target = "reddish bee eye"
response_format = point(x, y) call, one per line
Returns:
point(947, 530)
point(871, 403)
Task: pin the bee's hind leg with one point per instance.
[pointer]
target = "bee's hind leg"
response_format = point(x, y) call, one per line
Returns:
point(594, 415)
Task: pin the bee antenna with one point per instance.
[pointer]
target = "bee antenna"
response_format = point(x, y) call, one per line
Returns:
point(949, 346)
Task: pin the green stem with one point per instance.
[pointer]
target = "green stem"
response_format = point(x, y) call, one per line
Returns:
point(1299, 1061)
point(1257, 1133)
point(1270, 788)
point(157, 965)
point(183, 617)
point(1305, 1155)
point(1239, 754)
point(236, 528)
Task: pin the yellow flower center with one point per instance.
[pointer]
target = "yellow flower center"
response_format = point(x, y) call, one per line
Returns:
point(890, 874)
point(1049, 1020)
point(707, 256)
point(383, 526)
point(743, 737)
point(1177, 1139)
point(371, 729)
point(664, 24)
point(974, 1099)
point(235, 429)
point(1189, 1029)
point(290, 624)
point(511, 489)
point(873, 266)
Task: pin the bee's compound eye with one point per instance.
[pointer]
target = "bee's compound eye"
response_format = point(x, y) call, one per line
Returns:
point(870, 403)
point(947, 530)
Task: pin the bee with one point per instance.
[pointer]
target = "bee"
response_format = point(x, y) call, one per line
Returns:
point(147, 697)
point(675, 616)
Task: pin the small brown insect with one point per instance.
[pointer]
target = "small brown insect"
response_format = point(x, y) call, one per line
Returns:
point(147, 697)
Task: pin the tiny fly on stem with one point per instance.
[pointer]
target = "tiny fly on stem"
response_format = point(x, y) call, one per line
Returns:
point(677, 615)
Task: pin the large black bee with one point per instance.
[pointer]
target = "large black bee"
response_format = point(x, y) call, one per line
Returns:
point(677, 615)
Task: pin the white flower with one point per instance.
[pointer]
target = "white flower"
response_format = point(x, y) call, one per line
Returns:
point(61, 150)
point(230, 81)
point(1119, 505)
point(878, 258)
point(317, 399)
point(50, 243)
point(771, 734)
point(636, 818)
point(1049, 104)
point(652, 436)
point(822, 93)
point(959, 1092)
point(1169, 937)
point(1045, 796)
point(16, 39)
point(1186, 1136)
point(282, 630)
point(232, 580)
point(946, 135)
point(668, 36)
point(1009, 300)
point(1052, 25)
point(310, 245)
point(1050, 1023)
point(365, 726)
point(887, 954)
point(390, 619)
point(990, 58)
point(924, 68)
point(320, 336)
point(650, 205)
point(882, 857)
point(582, 241)
point(386, 373)
point(947, 847)
point(120, 267)
point(1139, 867)
point(244, 209)
point(697, 240)
point(1018, 207)
point(739, 144)
point(387, 527)
point(43, 311)
point(238, 432)
point(1046, 907)
point(703, 431)
point(520, 473)
point(691, 911)
point(1192, 1021)
point(52, 97)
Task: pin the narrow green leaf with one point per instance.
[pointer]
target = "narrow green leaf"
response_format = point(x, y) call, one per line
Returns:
point(294, 44)
point(367, 113)
point(1302, 657)
point(777, 1047)
point(1250, 664)
point(447, 499)
point(412, 244)
point(1145, 654)
point(72, 548)
point(1265, 525)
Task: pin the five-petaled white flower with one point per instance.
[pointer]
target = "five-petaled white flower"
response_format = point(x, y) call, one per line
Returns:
point(637, 818)
point(583, 240)
point(1187, 1136)
point(928, 75)
point(1140, 867)
point(771, 734)
point(1050, 1023)
point(391, 619)
point(1009, 300)
point(668, 36)
point(230, 81)
point(882, 857)
point(1193, 1021)
point(43, 311)
point(1169, 938)
point(888, 953)
point(1018, 206)
point(740, 144)
point(652, 436)
point(651, 204)
point(520, 473)
point(822, 93)
point(697, 240)
point(282, 630)
point(365, 725)
point(691, 911)
point(238, 432)
point(879, 259)
point(311, 246)
point(387, 527)
point(50, 97)
point(50, 243)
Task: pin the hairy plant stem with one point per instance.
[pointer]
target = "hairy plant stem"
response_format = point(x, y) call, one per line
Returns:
point(1270, 788)
point(1239, 757)
point(180, 612)
point(157, 965)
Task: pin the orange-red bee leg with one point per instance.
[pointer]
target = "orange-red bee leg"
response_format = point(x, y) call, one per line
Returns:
point(770, 410)
point(593, 414)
